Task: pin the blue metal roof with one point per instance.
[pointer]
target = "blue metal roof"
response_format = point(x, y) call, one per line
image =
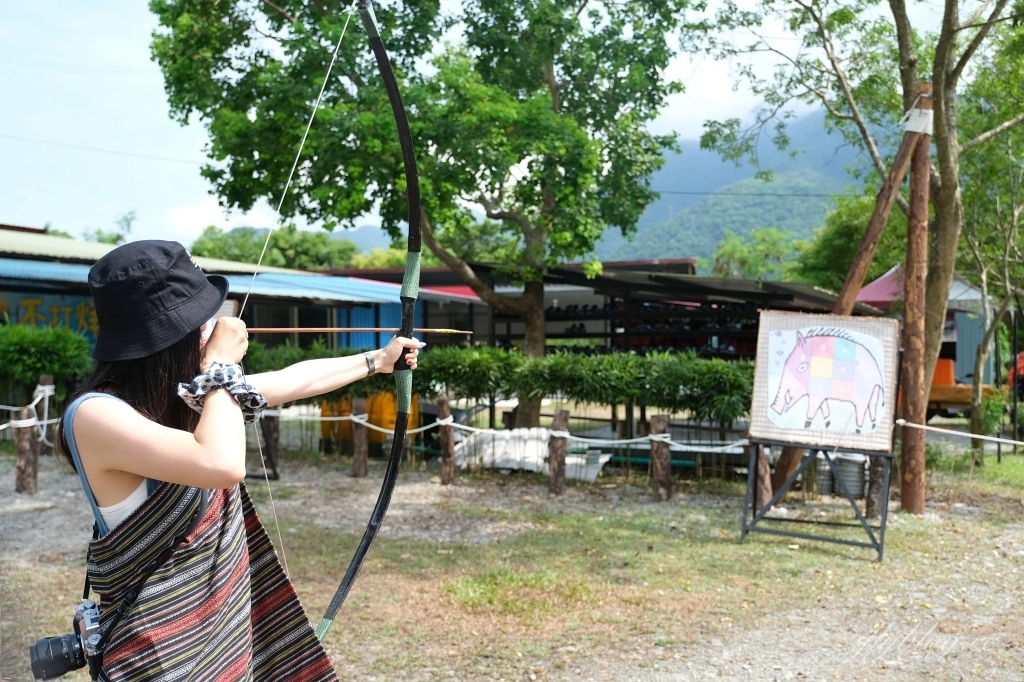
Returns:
point(11, 268)
point(321, 287)
point(294, 285)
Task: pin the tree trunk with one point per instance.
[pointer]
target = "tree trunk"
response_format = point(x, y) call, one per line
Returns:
point(45, 415)
point(788, 461)
point(873, 503)
point(26, 472)
point(556, 454)
point(914, 375)
point(360, 454)
point(271, 427)
point(528, 414)
point(661, 460)
point(763, 492)
point(446, 441)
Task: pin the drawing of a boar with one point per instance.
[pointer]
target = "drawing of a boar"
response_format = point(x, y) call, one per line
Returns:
point(827, 365)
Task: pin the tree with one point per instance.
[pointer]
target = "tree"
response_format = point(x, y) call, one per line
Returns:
point(825, 260)
point(54, 232)
point(993, 186)
point(534, 118)
point(762, 256)
point(118, 236)
point(289, 247)
point(861, 66)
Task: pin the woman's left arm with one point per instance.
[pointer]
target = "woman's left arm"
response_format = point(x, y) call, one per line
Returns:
point(316, 377)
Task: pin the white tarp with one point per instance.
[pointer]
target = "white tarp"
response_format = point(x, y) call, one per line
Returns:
point(525, 449)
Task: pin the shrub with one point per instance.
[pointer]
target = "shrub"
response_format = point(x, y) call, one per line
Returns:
point(27, 352)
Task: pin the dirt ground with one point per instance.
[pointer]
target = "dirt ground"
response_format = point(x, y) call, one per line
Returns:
point(952, 611)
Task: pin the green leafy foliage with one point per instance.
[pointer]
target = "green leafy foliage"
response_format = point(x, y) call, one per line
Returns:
point(531, 120)
point(27, 352)
point(825, 260)
point(289, 247)
point(763, 255)
point(707, 389)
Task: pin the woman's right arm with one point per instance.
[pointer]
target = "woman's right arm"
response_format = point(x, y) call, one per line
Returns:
point(112, 438)
point(117, 443)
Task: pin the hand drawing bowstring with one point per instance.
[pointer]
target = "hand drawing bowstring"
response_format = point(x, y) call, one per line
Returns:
point(277, 223)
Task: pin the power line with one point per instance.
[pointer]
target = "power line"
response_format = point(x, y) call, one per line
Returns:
point(153, 157)
point(745, 194)
point(98, 150)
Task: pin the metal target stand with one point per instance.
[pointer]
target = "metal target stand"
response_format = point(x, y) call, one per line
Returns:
point(753, 518)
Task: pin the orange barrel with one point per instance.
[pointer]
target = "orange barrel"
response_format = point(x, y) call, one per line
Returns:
point(343, 429)
point(382, 409)
point(326, 427)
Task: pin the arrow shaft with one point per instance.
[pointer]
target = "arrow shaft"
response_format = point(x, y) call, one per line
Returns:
point(313, 330)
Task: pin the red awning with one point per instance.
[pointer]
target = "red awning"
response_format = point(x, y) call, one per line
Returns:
point(883, 291)
point(455, 291)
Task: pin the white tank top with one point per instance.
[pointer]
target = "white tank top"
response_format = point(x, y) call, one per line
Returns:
point(116, 513)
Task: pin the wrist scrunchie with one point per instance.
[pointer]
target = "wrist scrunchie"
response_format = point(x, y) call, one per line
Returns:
point(221, 375)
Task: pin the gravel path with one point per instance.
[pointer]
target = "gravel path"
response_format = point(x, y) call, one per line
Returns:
point(951, 616)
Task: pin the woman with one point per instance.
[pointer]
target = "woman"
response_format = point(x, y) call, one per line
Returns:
point(190, 587)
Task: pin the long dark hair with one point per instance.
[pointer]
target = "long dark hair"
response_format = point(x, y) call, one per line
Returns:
point(148, 384)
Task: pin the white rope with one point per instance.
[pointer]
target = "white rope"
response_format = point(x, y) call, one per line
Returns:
point(16, 408)
point(363, 419)
point(962, 434)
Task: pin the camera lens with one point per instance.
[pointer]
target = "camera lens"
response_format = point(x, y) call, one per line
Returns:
point(55, 656)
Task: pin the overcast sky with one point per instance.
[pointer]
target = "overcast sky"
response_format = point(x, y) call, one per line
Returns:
point(74, 73)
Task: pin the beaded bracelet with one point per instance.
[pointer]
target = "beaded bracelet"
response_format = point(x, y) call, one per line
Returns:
point(221, 375)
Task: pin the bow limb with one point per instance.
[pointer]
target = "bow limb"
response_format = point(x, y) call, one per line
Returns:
point(408, 296)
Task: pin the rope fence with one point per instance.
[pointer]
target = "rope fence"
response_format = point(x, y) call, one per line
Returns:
point(363, 419)
point(42, 392)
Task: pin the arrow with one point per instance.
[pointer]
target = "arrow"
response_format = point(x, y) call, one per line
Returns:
point(308, 330)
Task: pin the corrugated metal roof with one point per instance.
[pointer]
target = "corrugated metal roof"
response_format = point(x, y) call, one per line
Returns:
point(315, 287)
point(288, 284)
point(13, 244)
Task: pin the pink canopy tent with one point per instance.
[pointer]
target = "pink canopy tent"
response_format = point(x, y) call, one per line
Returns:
point(883, 291)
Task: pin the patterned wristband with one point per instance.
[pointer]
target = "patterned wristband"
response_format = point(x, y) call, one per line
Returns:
point(221, 375)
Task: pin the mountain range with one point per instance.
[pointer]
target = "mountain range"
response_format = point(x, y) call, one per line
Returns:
point(703, 197)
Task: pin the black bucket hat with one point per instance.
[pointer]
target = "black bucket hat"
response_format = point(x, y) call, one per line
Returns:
point(149, 295)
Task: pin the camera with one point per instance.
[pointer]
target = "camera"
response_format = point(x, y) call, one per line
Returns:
point(56, 656)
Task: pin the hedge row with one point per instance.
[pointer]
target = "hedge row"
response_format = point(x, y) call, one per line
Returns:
point(708, 389)
point(27, 352)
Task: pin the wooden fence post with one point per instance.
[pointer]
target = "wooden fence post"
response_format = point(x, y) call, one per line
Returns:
point(360, 455)
point(26, 472)
point(661, 460)
point(446, 441)
point(271, 427)
point(556, 453)
point(48, 429)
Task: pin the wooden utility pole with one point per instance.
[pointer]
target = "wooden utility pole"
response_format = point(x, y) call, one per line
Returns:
point(911, 142)
point(873, 234)
point(915, 392)
point(556, 453)
point(446, 441)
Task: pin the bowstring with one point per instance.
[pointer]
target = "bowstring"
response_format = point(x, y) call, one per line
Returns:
point(298, 155)
point(274, 225)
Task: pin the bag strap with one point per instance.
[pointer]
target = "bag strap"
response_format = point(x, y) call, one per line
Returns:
point(133, 593)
